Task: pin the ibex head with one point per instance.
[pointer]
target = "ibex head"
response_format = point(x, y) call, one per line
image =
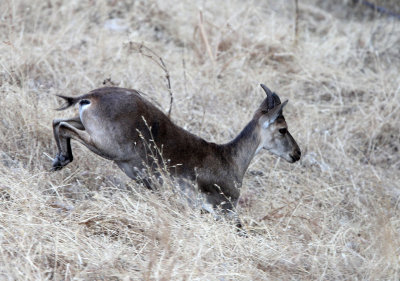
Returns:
point(275, 136)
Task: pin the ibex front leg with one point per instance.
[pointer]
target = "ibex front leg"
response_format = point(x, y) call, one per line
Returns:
point(226, 204)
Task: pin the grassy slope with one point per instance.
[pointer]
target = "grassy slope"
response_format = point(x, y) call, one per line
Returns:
point(334, 215)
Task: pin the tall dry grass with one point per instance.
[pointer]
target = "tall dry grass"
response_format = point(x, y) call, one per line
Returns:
point(335, 215)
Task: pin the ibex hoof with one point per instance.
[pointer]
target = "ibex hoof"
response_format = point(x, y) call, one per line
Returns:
point(240, 230)
point(59, 162)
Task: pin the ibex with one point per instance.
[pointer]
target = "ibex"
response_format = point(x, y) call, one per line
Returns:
point(119, 124)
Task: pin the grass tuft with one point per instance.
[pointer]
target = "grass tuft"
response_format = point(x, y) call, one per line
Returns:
point(334, 215)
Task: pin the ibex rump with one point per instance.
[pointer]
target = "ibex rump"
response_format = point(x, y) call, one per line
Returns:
point(119, 124)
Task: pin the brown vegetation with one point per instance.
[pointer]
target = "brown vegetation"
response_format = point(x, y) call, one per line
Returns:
point(334, 215)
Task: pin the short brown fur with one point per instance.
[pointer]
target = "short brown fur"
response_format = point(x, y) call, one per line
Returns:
point(121, 125)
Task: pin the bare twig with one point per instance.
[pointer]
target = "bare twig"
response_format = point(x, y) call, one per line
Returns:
point(377, 8)
point(184, 70)
point(205, 38)
point(149, 53)
point(296, 22)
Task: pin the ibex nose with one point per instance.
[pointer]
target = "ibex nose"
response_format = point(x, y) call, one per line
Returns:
point(296, 155)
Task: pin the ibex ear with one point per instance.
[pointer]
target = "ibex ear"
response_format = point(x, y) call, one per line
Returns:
point(273, 114)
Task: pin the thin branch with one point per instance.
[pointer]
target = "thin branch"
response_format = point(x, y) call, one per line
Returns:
point(149, 53)
point(205, 38)
point(184, 70)
point(296, 22)
point(377, 8)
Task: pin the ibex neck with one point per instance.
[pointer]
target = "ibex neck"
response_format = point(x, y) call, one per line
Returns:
point(244, 147)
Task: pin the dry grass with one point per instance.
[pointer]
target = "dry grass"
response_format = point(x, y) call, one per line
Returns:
point(335, 215)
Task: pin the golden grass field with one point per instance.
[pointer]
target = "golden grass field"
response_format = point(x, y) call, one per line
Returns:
point(334, 215)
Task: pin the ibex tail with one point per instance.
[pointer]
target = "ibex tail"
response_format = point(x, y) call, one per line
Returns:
point(70, 102)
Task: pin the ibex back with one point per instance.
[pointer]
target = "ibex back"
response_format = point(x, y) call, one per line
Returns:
point(121, 125)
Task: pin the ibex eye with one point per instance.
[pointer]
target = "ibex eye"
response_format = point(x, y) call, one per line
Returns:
point(283, 131)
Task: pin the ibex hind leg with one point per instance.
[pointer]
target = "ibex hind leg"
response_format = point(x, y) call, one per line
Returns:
point(64, 155)
point(66, 132)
